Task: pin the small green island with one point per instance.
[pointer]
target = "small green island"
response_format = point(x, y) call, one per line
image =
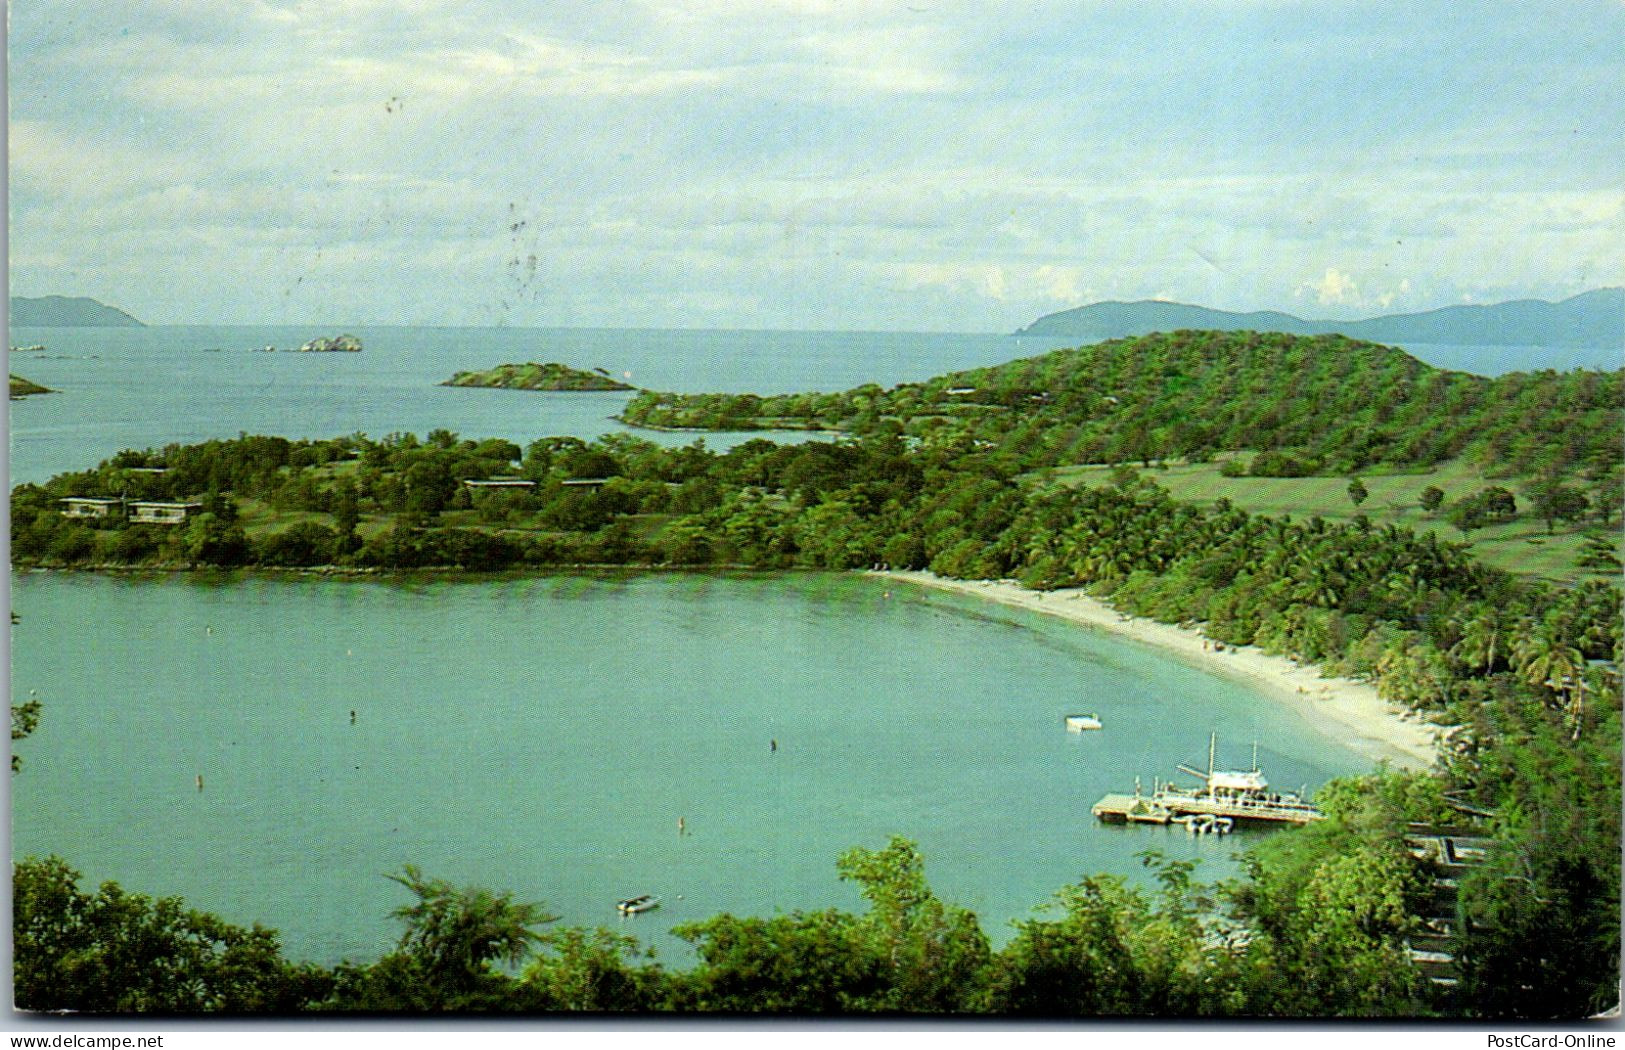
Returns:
point(532, 376)
point(21, 387)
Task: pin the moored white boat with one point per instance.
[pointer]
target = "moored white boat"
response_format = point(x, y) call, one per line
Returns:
point(1078, 723)
point(634, 905)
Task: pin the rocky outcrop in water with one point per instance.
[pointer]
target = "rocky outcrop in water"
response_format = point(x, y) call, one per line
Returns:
point(333, 344)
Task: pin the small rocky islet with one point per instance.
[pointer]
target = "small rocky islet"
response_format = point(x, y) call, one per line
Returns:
point(532, 376)
point(333, 344)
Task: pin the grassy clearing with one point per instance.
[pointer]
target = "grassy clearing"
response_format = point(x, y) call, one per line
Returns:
point(259, 519)
point(1520, 546)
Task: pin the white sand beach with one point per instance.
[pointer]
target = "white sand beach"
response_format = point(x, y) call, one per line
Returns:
point(1344, 709)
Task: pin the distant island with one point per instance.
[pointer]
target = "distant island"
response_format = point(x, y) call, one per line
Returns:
point(333, 344)
point(532, 376)
point(60, 311)
point(1592, 319)
point(21, 387)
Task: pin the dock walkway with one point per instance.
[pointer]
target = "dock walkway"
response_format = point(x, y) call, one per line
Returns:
point(1164, 806)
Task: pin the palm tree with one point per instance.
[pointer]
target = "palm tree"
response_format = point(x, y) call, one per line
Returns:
point(1545, 660)
point(1481, 636)
point(453, 936)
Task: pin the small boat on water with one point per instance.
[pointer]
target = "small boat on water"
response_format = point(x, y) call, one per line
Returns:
point(1205, 824)
point(634, 905)
point(1078, 723)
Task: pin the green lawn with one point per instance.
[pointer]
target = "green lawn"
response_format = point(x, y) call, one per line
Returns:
point(259, 519)
point(1519, 546)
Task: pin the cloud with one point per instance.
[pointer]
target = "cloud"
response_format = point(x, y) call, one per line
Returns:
point(855, 162)
point(1335, 288)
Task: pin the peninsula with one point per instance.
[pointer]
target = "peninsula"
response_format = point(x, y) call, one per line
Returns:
point(532, 376)
point(21, 387)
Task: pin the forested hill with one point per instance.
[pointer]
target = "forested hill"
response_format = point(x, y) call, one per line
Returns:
point(1592, 319)
point(60, 311)
point(1322, 404)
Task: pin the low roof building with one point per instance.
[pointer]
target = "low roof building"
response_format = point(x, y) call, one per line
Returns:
point(498, 483)
point(89, 506)
point(162, 512)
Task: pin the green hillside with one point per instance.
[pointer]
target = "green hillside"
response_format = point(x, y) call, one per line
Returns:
point(1320, 404)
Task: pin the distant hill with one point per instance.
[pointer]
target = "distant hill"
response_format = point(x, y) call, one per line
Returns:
point(1592, 319)
point(61, 311)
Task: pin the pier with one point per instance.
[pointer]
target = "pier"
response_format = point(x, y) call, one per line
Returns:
point(1226, 798)
point(1167, 804)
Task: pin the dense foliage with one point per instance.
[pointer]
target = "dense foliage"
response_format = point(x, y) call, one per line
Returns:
point(533, 376)
point(1317, 404)
point(1310, 918)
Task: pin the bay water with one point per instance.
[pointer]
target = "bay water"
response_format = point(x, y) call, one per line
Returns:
point(118, 388)
point(544, 735)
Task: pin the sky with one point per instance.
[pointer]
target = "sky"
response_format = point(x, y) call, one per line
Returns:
point(914, 165)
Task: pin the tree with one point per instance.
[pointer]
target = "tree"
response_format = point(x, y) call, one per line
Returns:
point(1598, 553)
point(118, 952)
point(301, 544)
point(1545, 659)
point(1608, 497)
point(1466, 515)
point(346, 509)
point(24, 720)
point(933, 955)
point(210, 541)
point(1079, 965)
point(1357, 491)
point(1332, 903)
point(592, 970)
point(1556, 502)
point(1498, 502)
point(1432, 499)
point(1482, 635)
point(805, 963)
point(448, 954)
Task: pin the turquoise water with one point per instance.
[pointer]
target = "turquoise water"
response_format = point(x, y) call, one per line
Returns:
point(544, 736)
point(119, 388)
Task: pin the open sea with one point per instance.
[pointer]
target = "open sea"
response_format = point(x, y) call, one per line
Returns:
point(544, 735)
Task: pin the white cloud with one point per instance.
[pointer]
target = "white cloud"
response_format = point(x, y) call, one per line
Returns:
point(916, 164)
point(1335, 288)
point(48, 161)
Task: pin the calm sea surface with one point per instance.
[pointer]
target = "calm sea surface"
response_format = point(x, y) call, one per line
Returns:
point(120, 388)
point(544, 735)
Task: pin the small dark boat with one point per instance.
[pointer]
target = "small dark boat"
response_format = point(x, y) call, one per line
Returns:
point(634, 905)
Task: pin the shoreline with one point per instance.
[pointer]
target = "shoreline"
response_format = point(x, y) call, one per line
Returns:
point(1343, 709)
